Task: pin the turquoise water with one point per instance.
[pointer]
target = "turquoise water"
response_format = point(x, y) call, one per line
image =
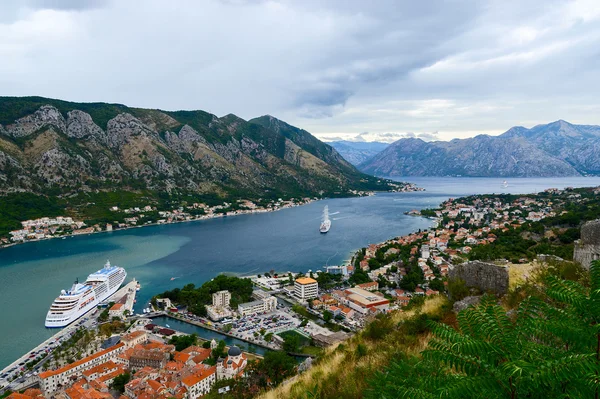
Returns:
point(207, 334)
point(32, 275)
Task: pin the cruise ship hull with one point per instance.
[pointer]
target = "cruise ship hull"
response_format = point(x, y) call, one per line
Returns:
point(85, 297)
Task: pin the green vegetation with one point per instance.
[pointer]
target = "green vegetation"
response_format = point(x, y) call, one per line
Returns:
point(197, 298)
point(183, 341)
point(17, 207)
point(358, 277)
point(108, 329)
point(104, 314)
point(274, 368)
point(219, 351)
point(342, 371)
point(120, 381)
point(267, 373)
point(292, 341)
point(327, 280)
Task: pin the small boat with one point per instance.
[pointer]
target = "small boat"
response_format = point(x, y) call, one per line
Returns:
point(168, 326)
point(173, 278)
point(326, 223)
point(504, 184)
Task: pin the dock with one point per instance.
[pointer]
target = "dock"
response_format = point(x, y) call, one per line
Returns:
point(125, 295)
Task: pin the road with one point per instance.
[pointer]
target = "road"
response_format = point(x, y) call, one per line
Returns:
point(10, 376)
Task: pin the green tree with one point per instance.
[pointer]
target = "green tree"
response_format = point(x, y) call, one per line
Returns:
point(291, 343)
point(219, 351)
point(275, 367)
point(120, 381)
point(183, 341)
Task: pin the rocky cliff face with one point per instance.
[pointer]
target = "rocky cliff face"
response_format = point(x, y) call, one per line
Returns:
point(357, 152)
point(556, 149)
point(55, 146)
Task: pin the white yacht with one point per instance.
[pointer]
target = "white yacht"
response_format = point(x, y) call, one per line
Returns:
point(326, 223)
point(81, 298)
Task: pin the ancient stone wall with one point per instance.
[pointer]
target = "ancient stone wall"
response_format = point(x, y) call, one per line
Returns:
point(487, 277)
point(587, 249)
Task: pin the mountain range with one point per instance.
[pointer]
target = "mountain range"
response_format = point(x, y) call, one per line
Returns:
point(357, 152)
point(555, 149)
point(57, 147)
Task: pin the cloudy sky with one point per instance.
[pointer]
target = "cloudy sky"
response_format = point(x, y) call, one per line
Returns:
point(340, 69)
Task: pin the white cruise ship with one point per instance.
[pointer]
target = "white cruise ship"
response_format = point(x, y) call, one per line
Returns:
point(81, 298)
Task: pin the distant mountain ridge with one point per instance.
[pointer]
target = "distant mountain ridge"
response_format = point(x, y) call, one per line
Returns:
point(357, 152)
point(57, 147)
point(555, 149)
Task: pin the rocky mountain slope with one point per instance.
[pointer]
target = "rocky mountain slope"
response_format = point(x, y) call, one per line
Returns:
point(57, 147)
point(357, 152)
point(555, 149)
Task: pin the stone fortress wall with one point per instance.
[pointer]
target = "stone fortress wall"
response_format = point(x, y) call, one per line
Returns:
point(587, 249)
point(487, 277)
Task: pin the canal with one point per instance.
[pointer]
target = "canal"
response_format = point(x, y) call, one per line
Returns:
point(207, 334)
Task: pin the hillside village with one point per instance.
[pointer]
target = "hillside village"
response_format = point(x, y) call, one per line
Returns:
point(62, 226)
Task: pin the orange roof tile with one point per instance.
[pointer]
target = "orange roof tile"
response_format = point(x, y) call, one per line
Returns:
point(181, 357)
point(68, 367)
point(196, 378)
point(17, 395)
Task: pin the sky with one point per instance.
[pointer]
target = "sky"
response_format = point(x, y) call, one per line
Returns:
point(347, 69)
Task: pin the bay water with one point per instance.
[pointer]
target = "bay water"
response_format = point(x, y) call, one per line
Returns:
point(169, 256)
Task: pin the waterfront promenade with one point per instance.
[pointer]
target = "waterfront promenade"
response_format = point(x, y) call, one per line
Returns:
point(125, 295)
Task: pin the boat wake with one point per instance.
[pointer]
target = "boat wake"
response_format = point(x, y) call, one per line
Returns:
point(345, 217)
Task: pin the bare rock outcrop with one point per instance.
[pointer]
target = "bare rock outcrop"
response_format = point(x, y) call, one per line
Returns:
point(45, 115)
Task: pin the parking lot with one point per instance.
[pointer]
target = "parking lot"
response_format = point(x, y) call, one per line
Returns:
point(275, 322)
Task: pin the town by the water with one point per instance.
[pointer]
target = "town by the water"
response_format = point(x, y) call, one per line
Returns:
point(479, 244)
point(64, 226)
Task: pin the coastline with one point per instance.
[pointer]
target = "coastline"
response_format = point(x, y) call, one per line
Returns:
point(198, 219)
point(202, 218)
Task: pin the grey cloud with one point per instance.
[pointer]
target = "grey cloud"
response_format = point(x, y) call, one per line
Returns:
point(379, 68)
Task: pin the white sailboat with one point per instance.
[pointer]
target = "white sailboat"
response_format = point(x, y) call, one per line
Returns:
point(504, 184)
point(326, 223)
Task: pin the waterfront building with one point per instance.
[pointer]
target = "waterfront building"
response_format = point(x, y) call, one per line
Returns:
point(220, 306)
point(264, 305)
point(343, 270)
point(116, 310)
point(221, 298)
point(306, 288)
point(54, 380)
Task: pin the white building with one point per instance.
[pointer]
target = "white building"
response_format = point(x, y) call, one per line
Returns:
point(343, 270)
point(221, 298)
point(263, 305)
point(54, 380)
point(233, 365)
point(306, 288)
point(425, 251)
point(198, 385)
point(220, 306)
